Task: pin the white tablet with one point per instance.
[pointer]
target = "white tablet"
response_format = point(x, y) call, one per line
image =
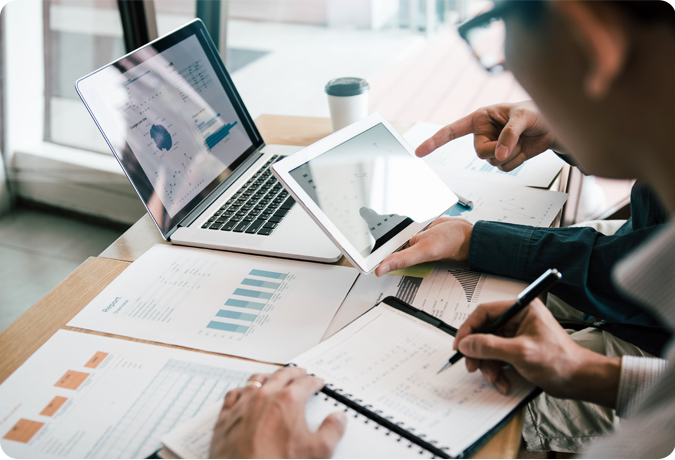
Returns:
point(366, 189)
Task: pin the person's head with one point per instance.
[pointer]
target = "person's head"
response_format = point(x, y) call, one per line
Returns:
point(603, 75)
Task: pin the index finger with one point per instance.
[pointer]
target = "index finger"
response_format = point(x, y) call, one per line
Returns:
point(482, 317)
point(454, 130)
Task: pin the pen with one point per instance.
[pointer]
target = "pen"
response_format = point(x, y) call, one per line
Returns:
point(464, 201)
point(540, 285)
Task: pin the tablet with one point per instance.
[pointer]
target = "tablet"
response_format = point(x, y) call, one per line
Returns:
point(366, 189)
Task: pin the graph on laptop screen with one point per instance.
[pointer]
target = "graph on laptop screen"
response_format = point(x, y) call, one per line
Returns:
point(177, 119)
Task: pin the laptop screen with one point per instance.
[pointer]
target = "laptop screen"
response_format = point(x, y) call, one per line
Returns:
point(174, 120)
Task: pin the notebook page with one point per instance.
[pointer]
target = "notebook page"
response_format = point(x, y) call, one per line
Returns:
point(388, 360)
point(361, 439)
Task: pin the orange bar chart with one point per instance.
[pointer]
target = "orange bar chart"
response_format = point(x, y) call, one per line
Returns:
point(71, 380)
point(53, 406)
point(96, 360)
point(23, 431)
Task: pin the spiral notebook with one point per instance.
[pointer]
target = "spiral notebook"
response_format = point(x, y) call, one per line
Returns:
point(382, 371)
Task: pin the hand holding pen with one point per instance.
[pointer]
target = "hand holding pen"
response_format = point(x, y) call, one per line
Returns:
point(536, 346)
point(537, 288)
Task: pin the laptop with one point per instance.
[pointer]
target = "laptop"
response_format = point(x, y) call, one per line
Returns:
point(178, 127)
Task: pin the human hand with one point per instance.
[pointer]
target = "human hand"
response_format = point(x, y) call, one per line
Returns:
point(446, 238)
point(506, 135)
point(269, 422)
point(540, 350)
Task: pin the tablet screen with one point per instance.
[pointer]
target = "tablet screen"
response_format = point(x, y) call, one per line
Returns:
point(369, 187)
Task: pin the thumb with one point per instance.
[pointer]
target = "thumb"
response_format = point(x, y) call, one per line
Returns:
point(330, 432)
point(488, 346)
point(509, 137)
point(407, 257)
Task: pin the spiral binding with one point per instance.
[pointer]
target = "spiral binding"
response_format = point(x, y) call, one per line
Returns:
point(385, 421)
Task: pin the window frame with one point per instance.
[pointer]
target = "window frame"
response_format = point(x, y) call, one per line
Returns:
point(42, 170)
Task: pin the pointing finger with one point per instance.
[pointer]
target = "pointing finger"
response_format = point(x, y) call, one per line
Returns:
point(459, 128)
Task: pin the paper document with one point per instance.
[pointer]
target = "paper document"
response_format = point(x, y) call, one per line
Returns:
point(511, 204)
point(388, 360)
point(451, 293)
point(458, 158)
point(243, 305)
point(361, 440)
point(87, 396)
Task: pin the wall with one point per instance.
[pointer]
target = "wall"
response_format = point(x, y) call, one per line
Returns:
point(294, 11)
point(360, 14)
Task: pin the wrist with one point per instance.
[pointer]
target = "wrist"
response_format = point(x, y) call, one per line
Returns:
point(463, 255)
point(596, 379)
point(558, 147)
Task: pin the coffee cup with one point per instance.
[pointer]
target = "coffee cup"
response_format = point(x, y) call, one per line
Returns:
point(347, 100)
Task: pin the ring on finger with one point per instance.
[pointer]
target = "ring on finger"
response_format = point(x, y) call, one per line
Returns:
point(254, 383)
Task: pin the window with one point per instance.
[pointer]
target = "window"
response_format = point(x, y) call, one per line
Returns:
point(171, 14)
point(79, 37)
point(280, 54)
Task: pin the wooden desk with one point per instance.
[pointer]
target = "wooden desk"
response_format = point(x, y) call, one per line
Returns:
point(20, 340)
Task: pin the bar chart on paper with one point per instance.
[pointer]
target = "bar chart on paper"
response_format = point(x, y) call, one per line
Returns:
point(249, 306)
point(247, 302)
point(450, 293)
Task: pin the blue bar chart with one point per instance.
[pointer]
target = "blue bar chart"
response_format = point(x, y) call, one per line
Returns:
point(247, 302)
point(204, 125)
point(219, 135)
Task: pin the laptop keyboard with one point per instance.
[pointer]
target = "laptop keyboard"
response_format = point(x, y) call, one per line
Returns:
point(258, 207)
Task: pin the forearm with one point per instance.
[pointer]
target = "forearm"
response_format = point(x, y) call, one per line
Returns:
point(584, 256)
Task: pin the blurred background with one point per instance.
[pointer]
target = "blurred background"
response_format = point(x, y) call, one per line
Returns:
point(64, 198)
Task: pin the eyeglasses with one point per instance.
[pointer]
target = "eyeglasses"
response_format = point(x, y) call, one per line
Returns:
point(486, 34)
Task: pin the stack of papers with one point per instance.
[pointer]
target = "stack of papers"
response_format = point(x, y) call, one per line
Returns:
point(511, 204)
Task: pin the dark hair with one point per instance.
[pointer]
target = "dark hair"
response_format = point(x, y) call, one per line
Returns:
point(650, 11)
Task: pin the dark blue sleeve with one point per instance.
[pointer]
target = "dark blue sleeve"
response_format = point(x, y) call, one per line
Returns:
point(584, 256)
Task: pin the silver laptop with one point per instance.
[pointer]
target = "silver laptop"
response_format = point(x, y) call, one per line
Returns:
point(175, 122)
